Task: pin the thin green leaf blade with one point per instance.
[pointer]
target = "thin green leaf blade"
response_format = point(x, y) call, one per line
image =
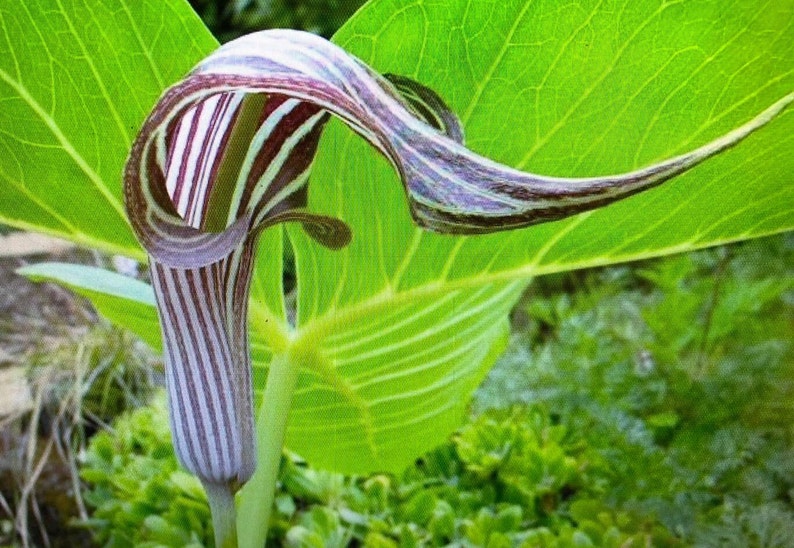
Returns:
point(124, 301)
point(129, 303)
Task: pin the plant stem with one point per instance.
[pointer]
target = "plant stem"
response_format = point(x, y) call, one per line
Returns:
point(221, 501)
point(256, 497)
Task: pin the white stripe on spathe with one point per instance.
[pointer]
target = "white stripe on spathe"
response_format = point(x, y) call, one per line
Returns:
point(278, 162)
point(260, 137)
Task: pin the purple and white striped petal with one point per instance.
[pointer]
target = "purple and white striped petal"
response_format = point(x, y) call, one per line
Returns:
point(229, 155)
point(227, 151)
point(206, 357)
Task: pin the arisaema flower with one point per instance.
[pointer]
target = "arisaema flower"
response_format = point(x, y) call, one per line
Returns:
point(227, 152)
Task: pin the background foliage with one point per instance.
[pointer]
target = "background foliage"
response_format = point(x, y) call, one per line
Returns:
point(609, 419)
point(229, 19)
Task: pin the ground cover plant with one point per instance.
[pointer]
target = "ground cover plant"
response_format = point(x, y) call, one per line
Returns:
point(433, 287)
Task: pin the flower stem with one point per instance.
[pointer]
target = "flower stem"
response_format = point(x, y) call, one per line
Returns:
point(221, 501)
point(256, 497)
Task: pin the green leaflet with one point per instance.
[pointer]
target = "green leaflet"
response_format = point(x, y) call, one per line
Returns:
point(76, 81)
point(122, 300)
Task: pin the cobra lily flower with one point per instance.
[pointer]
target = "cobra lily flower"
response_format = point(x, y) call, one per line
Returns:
point(227, 152)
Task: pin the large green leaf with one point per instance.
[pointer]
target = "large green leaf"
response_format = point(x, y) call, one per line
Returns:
point(401, 319)
point(76, 81)
point(395, 331)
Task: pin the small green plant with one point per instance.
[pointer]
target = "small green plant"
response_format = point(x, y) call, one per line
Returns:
point(509, 478)
point(691, 415)
point(392, 334)
point(139, 495)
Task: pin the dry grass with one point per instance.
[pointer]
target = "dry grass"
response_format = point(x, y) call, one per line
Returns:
point(71, 373)
point(78, 386)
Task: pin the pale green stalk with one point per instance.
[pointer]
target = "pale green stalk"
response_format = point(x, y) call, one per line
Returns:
point(256, 497)
point(222, 510)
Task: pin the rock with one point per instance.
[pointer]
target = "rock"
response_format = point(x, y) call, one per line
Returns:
point(15, 393)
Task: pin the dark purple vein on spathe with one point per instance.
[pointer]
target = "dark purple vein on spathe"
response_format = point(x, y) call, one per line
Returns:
point(227, 151)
